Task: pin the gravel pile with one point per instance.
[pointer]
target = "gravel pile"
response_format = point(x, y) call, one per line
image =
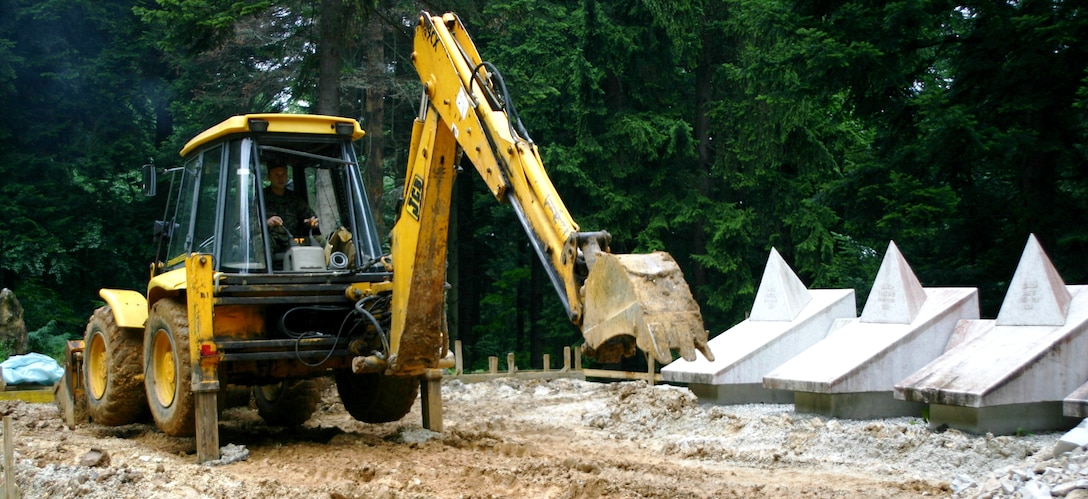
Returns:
point(668, 422)
point(673, 421)
point(1065, 475)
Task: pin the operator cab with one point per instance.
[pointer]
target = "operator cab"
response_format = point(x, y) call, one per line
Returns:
point(224, 201)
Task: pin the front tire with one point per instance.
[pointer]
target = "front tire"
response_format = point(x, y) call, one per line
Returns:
point(376, 398)
point(167, 373)
point(289, 403)
point(111, 371)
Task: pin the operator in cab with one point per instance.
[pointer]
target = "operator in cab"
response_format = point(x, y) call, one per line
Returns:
point(289, 214)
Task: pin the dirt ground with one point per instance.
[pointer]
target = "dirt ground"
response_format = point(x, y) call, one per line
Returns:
point(560, 438)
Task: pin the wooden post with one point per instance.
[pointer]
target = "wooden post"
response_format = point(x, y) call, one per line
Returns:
point(11, 490)
point(458, 361)
point(650, 363)
point(566, 359)
point(577, 358)
point(493, 364)
point(511, 367)
point(207, 425)
point(547, 362)
point(430, 385)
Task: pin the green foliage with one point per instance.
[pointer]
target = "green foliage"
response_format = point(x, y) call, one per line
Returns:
point(50, 340)
point(200, 19)
point(69, 163)
point(852, 266)
point(44, 309)
point(976, 131)
point(503, 302)
point(713, 131)
point(233, 57)
point(6, 350)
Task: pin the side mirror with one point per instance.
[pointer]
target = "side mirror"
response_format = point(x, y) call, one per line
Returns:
point(149, 180)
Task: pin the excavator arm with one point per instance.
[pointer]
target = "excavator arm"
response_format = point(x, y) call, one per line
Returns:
point(619, 302)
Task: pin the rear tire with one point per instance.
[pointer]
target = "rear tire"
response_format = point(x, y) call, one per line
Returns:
point(167, 374)
point(289, 403)
point(376, 398)
point(111, 371)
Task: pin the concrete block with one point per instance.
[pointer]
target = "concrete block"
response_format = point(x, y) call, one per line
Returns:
point(1077, 437)
point(739, 393)
point(786, 319)
point(1007, 419)
point(896, 296)
point(1037, 296)
point(869, 355)
point(781, 295)
point(855, 405)
point(749, 350)
point(1012, 374)
point(1006, 365)
point(1076, 403)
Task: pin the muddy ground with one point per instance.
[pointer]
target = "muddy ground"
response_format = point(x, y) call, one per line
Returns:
point(560, 438)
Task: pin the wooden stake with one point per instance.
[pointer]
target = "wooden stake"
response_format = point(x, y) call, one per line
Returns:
point(650, 363)
point(430, 385)
point(11, 490)
point(207, 425)
point(458, 361)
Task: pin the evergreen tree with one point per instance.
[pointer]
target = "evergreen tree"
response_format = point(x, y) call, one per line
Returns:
point(82, 96)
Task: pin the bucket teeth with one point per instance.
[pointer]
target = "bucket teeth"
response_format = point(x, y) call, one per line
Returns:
point(676, 334)
point(643, 301)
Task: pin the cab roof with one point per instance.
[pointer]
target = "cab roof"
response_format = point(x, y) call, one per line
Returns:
point(277, 123)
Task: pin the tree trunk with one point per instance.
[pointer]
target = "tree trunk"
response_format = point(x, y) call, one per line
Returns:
point(703, 89)
point(330, 51)
point(375, 116)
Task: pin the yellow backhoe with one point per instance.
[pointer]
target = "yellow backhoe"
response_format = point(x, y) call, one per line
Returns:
point(271, 290)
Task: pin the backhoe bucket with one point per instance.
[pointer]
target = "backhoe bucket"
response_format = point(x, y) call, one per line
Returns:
point(643, 301)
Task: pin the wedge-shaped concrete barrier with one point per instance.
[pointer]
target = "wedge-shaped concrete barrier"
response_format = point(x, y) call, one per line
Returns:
point(1076, 404)
point(786, 318)
point(1012, 374)
point(852, 372)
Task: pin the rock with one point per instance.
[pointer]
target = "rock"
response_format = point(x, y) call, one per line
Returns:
point(230, 453)
point(95, 458)
point(12, 328)
point(8, 407)
point(1077, 437)
point(1063, 489)
point(961, 483)
point(1035, 490)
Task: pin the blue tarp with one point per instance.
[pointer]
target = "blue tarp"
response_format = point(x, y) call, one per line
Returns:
point(32, 368)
